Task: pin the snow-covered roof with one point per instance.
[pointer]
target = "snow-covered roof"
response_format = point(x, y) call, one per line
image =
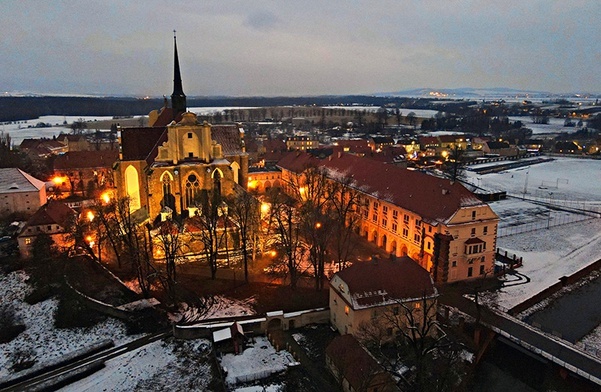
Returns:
point(13, 180)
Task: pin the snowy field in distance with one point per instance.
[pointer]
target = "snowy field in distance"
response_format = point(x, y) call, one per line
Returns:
point(555, 125)
point(548, 253)
point(561, 179)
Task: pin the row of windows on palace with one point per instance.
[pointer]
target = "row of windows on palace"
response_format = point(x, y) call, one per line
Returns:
point(407, 220)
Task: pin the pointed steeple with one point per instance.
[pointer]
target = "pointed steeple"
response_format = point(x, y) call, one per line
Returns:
point(178, 98)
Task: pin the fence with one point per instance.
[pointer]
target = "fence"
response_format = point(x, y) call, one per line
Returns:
point(551, 221)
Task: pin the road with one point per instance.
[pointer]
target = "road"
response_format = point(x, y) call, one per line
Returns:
point(552, 348)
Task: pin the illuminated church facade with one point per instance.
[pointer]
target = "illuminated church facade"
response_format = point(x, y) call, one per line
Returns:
point(163, 168)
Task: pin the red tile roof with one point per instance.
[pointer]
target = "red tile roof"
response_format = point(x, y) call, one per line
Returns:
point(434, 199)
point(228, 135)
point(86, 159)
point(138, 143)
point(389, 280)
point(52, 213)
point(355, 363)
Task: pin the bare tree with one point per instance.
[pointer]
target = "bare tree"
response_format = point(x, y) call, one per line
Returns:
point(316, 220)
point(135, 241)
point(283, 222)
point(344, 203)
point(408, 333)
point(244, 210)
point(172, 248)
point(212, 225)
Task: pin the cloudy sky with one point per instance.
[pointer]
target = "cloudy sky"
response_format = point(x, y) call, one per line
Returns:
point(302, 47)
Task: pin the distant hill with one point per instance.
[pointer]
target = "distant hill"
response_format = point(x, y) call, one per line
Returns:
point(493, 93)
point(13, 108)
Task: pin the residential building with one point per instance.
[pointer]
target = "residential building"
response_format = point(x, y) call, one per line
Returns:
point(500, 148)
point(301, 143)
point(20, 192)
point(378, 143)
point(53, 219)
point(84, 171)
point(355, 368)
point(395, 286)
point(438, 223)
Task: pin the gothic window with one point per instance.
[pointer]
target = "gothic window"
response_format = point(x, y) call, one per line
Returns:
point(217, 181)
point(168, 199)
point(192, 189)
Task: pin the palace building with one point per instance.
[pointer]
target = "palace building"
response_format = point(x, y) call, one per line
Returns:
point(164, 167)
point(438, 223)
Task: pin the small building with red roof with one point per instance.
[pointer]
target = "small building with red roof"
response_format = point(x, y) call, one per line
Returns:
point(52, 218)
point(394, 285)
point(355, 368)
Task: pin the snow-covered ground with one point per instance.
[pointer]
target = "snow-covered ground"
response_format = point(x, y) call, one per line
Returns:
point(548, 254)
point(159, 366)
point(591, 343)
point(564, 179)
point(40, 335)
point(258, 361)
point(555, 125)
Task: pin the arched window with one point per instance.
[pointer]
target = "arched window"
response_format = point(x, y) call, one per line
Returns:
point(168, 200)
point(192, 189)
point(132, 186)
point(217, 181)
point(235, 170)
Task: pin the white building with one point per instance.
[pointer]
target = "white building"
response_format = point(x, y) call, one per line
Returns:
point(20, 192)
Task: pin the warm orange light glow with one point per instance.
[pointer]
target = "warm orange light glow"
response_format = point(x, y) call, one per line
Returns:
point(303, 191)
point(106, 197)
point(264, 208)
point(317, 225)
point(59, 180)
point(253, 184)
point(90, 216)
point(273, 253)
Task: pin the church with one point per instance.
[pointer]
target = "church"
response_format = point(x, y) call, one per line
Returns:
point(164, 167)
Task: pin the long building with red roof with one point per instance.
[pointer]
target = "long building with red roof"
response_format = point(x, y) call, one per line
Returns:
point(439, 223)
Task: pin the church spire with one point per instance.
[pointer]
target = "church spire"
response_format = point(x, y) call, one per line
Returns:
point(178, 98)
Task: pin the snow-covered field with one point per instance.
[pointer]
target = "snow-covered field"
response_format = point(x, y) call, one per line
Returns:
point(564, 179)
point(48, 342)
point(548, 253)
point(555, 125)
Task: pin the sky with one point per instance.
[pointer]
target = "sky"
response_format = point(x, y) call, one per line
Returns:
point(292, 48)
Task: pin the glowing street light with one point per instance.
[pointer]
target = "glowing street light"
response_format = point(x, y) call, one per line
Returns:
point(106, 197)
point(264, 208)
point(90, 216)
